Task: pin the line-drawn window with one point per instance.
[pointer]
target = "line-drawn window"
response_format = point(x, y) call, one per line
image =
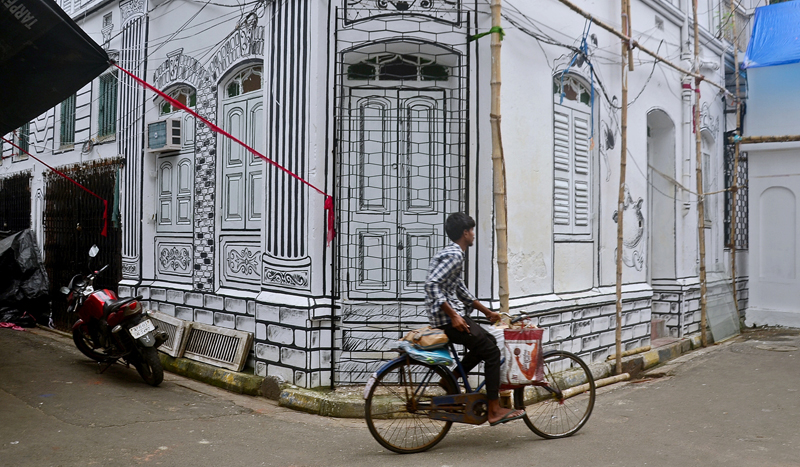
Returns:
point(572, 158)
point(107, 109)
point(397, 67)
point(175, 184)
point(184, 94)
point(67, 126)
point(188, 97)
point(243, 117)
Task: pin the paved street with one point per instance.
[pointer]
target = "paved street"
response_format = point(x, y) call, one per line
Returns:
point(735, 405)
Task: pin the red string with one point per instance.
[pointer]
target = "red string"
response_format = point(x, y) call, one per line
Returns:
point(328, 198)
point(105, 203)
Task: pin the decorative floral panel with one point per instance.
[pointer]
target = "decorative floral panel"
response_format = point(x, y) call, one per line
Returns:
point(444, 10)
point(174, 258)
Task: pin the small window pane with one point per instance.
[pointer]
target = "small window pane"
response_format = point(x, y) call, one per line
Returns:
point(251, 83)
point(233, 89)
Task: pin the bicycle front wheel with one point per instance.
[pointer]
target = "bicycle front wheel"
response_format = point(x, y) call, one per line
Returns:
point(399, 402)
point(563, 406)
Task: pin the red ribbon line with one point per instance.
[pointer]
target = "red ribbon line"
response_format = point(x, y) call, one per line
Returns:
point(331, 232)
point(105, 202)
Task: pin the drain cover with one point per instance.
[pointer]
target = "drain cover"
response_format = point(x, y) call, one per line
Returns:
point(777, 348)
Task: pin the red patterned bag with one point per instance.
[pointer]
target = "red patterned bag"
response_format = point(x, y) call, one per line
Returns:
point(523, 357)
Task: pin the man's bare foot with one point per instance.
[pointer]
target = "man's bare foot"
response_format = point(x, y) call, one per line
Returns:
point(498, 415)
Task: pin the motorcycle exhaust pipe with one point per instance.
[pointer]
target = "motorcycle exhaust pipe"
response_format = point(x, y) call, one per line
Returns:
point(115, 333)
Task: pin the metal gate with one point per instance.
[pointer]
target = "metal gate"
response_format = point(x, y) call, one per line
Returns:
point(401, 166)
point(15, 203)
point(73, 222)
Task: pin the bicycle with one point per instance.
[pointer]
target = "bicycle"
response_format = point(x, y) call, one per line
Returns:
point(411, 405)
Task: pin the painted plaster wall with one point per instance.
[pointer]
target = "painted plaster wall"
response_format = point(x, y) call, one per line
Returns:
point(571, 283)
point(773, 215)
point(528, 140)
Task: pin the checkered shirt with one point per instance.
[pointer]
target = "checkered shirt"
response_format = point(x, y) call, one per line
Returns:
point(444, 284)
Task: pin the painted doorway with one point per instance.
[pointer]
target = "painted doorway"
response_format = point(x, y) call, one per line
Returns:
point(662, 195)
point(241, 197)
point(393, 167)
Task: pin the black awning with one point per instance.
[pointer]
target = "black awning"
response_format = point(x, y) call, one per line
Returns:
point(44, 58)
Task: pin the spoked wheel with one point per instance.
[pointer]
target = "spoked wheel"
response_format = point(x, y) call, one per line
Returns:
point(562, 407)
point(149, 366)
point(398, 405)
point(86, 345)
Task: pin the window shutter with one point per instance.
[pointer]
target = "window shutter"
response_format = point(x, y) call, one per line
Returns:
point(580, 177)
point(571, 171)
point(561, 175)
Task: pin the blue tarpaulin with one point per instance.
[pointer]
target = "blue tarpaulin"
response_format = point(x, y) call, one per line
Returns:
point(776, 36)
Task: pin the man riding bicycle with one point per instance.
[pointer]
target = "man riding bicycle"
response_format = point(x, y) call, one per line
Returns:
point(449, 302)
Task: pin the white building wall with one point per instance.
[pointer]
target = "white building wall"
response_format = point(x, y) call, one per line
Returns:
point(568, 286)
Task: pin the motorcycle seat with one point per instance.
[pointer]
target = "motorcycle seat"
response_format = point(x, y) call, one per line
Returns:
point(113, 305)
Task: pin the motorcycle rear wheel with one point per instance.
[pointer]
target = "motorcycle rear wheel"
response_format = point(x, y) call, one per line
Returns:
point(87, 347)
point(149, 366)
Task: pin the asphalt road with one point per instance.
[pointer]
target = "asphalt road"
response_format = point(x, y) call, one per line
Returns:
point(735, 404)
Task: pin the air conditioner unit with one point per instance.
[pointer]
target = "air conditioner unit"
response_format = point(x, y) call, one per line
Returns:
point(165, 135)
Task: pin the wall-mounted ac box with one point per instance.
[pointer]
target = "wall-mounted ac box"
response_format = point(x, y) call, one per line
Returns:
point(165, 135)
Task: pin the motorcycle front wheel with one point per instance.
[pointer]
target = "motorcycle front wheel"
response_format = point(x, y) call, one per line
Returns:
point(86, 345)
point(149, 366)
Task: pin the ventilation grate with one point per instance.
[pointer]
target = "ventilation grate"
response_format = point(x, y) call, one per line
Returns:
point(175, 328)
point(221, 347)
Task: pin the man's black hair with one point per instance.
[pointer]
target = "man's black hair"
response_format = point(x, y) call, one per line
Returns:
point(456, 224)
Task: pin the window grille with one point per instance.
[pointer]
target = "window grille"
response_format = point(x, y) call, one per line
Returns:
point(68, 121)
point(107, 115)
point(742, 233)
point(402, 132)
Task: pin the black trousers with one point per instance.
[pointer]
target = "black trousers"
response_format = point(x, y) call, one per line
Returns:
point(481, 346)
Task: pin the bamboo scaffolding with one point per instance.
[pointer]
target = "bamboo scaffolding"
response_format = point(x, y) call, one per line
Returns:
point(623, 162)
point(498, 163)
point(701, 216)
point(766, 139)
point(735, 184)
point(636, 44)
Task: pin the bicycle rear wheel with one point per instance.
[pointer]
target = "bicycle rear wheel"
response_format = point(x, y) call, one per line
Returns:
point(562, 407)
point(398, 405)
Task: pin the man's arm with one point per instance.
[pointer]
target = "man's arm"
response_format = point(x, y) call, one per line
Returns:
point(466, 296)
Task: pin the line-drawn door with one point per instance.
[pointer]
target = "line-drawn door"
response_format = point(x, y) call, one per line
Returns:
point(242, 172)
point(393, 175)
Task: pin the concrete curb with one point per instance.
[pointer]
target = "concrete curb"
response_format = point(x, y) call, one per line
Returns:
point(233, 381)
point(351, 405)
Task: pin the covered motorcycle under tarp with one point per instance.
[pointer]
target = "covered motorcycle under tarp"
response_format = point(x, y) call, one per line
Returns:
point(24, 298)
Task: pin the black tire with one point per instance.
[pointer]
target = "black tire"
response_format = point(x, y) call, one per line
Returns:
point(86, 345)
point(550, 414)
point(389, 411)
point(148, 364)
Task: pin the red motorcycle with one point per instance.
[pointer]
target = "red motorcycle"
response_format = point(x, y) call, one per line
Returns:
point(109, 329)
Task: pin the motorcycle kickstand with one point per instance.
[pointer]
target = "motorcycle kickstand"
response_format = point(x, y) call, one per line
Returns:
point(108, 365)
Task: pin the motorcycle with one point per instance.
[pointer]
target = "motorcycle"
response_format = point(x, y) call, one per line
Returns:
point(109, 329)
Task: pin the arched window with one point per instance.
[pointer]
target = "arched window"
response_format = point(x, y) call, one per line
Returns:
point(183, 94)
point(243, 82)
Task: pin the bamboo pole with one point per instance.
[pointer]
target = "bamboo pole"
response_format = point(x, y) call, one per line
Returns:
point(735, 184)
point(701, 216)
point(623, 162)
point(639, 46)
point(498, 163)
point(767, 139)
point(580, 389)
